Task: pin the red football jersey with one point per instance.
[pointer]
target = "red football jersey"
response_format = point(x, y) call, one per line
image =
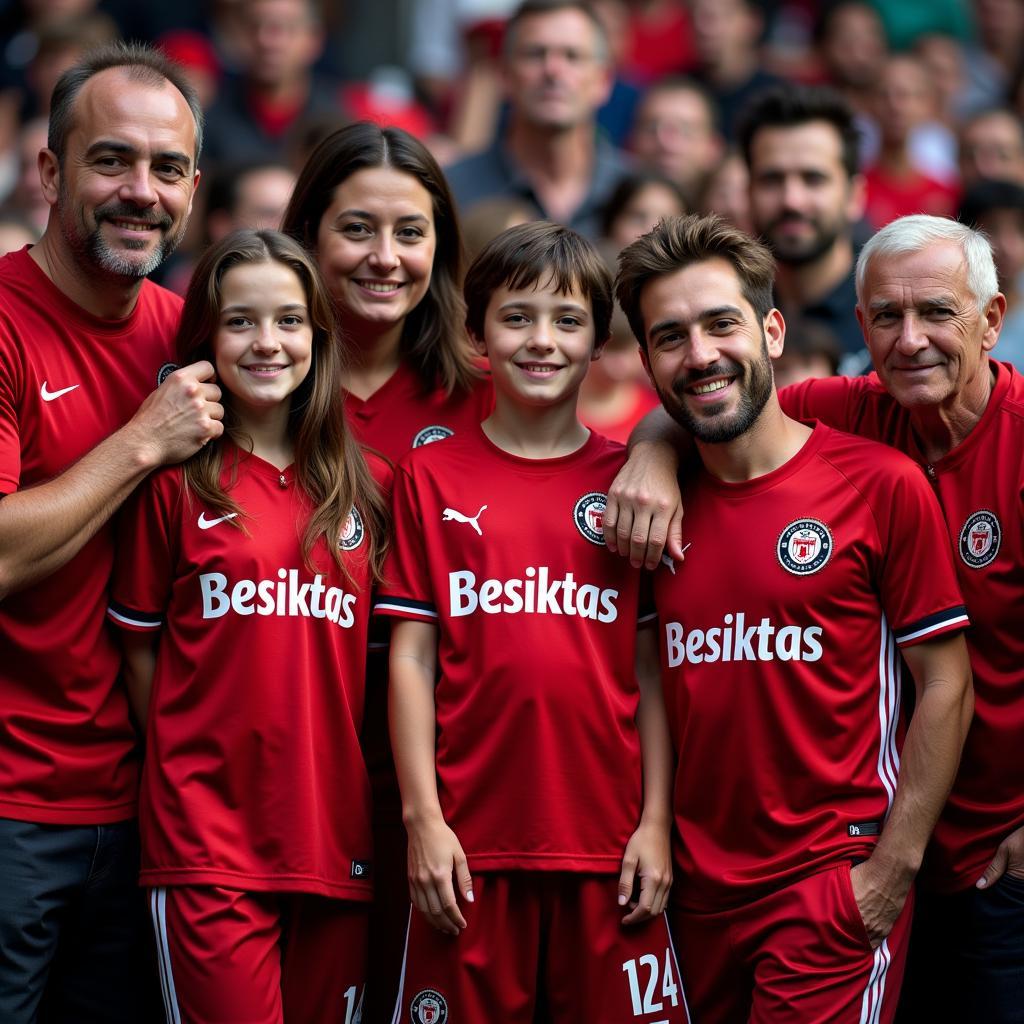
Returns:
point(400, 415)
point(782, 675)
point(67, 381)
point(253, 777)
point(980, 485)
point(538, 758)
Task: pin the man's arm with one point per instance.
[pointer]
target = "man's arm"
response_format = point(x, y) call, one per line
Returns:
point(644, 514)
point(44, 527)
point(648, 852)
point(435, 853)
point(931, 755)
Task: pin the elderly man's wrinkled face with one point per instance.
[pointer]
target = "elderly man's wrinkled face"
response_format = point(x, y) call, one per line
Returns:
point(922, 325)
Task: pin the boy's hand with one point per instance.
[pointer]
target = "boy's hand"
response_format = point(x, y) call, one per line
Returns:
point(435, 855)
point(648, 856)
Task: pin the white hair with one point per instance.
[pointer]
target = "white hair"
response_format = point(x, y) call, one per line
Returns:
point(912, 234)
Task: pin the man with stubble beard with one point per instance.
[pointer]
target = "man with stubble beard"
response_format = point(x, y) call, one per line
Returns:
point(806, 196)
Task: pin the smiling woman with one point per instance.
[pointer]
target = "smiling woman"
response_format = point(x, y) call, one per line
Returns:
point(374, 207)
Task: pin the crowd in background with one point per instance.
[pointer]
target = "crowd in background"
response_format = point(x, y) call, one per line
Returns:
point(606, 128)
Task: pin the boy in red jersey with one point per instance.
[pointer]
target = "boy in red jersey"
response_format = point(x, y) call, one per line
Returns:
point(537, 770)
point(798, 861)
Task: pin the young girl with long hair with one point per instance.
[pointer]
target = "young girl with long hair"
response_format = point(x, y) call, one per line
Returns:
point(243, 592)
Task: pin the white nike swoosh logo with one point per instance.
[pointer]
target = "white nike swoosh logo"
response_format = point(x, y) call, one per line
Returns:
point(205, 524)
point(49, 396)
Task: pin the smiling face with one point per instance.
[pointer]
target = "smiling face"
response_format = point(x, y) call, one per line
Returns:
point(539, 343)
point(376, 244)
point(123, 190)
point(925, 334)
point(264, 339)
point(708, 354)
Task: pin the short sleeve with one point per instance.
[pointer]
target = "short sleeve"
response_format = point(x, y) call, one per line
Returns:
point(143, 577)
point(918, 584)
point(827, 399)
point(406, 590)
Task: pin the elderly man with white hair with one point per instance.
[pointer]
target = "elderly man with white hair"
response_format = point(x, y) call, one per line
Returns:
point(931, 311)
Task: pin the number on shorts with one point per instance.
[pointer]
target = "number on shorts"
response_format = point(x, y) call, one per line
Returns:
point(669, 988)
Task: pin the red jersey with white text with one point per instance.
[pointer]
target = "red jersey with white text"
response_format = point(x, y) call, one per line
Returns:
point(538, 758)
point(68, 380)
point(980, 486)
point(400, 415)
point(253, 777)
point(781, 632)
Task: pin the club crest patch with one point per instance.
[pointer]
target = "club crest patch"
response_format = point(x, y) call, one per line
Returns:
point(588, 515)
point(804, 546)
point(352, 532)
point(428, 435)
point(164, 372)
point(980, 539)
point(428, 1007)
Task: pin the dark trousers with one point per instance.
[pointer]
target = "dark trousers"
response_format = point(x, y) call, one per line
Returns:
point(966, 961)
point(74, 946)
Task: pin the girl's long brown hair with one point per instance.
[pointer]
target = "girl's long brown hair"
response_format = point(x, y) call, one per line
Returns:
point(329, 465)
point(433, 340)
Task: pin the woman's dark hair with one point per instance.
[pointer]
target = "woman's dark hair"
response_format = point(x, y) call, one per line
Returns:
point(433, 340)
point(627, 188)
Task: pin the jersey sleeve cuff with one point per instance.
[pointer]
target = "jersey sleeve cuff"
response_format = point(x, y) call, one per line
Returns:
point(131, 618)
point(405, 608)
point(952, 620)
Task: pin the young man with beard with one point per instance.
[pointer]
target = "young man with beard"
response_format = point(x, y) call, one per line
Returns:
point(84, 341)
point(806, 195)
point(796, 865)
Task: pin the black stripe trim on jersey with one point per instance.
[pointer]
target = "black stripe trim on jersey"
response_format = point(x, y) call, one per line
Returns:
point(405, 604)
point(933, 624)
point(133, 617)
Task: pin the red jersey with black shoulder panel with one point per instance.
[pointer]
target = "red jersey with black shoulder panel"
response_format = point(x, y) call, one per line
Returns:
point(781, 632)
point(538, 757)
point(980, 486)
point(253, 777)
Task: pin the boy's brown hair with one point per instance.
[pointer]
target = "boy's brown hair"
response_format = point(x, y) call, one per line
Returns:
point(530, 255)
point(678, 242)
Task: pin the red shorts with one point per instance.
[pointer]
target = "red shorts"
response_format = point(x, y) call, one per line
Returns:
point(558, 932)
point(230, 957)
point(800, 955)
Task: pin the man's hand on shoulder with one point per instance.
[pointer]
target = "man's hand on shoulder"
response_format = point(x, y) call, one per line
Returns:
point(177, 419)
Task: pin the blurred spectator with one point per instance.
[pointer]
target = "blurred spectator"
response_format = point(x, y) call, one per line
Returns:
point(806, 193)
point(251, 196)
point(198, 58)
point(992, 146)
point(997, 208)
point(852, 46)
point(676, 133)
point(15, 233)
point(557, 75)
point(28, 196)
point(726, 38)
point(639, 202)
point(907, 21)
point(615, 117)
point(1000, 26)
point(727, 192)
point(946, 62)
point(615, 394)
point(896, 187)
point(253, 113)
point(60, 44)
point(660, 40)
point(488, 219)
point(811, 351)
